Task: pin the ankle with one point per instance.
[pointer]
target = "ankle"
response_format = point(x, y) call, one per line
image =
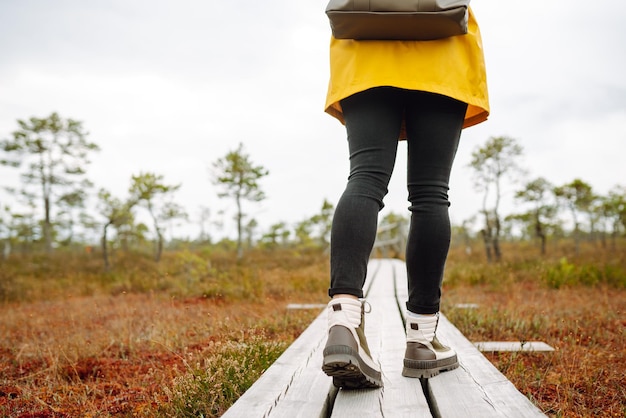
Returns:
point(417, 315)
point(345, 311)
point(345, 296)
point(421, 327)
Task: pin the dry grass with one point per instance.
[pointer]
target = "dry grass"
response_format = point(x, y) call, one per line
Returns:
point(585, 322)
point(129, 353)
point(112, 355)
point(585, 376)
point(188, 336)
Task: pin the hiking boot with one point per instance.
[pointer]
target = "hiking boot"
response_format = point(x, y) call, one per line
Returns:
point(425, 356)
point(347, 357)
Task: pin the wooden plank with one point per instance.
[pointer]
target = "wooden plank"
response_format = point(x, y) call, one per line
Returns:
point(295, 386)
point(373, 268)
point(463, 395)
point(311, 394)
point(497, 395)
point(524, 346)
point(274, 385)
point(466, 306)
point(476, 388)
point(362, 403)
point(306, 306)
point(365, 402)
point(400, 397)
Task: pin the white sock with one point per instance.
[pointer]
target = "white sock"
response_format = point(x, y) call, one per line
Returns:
point(349, 313)
point(427, 324)
point(417, 315)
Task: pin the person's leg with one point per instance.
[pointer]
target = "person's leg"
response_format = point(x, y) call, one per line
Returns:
point(434, 126)
point(373, 120)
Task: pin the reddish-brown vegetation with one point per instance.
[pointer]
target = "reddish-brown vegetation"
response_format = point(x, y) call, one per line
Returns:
point(121, 349)
point(585, 375)
point(114, 355)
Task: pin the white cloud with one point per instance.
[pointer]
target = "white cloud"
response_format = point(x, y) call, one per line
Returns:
point(170, 87)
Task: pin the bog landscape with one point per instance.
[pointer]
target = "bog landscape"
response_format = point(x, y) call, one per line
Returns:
point(104, 316)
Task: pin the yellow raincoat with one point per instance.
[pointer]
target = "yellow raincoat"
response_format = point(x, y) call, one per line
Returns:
point(453, 67)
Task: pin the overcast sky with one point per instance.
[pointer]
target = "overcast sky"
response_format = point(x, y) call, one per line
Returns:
point(171, 86)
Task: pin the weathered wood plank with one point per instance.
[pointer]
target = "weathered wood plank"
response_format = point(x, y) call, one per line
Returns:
point(295, 386)
point(525, 346)
point(296, 306)
point(463, 398)
point(362, 403)
point(500, 397)
point(365, 402)
point(466, 306)
point(273, 386)
point(311, 394)
point(402, 396)
point(476, 388)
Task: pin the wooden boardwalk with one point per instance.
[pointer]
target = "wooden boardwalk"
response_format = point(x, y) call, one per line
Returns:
point(295, 386)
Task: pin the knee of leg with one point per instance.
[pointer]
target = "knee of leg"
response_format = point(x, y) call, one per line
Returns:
point(428, 195)
point(368, 186)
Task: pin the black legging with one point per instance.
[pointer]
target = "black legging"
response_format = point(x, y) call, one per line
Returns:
point(373, 121)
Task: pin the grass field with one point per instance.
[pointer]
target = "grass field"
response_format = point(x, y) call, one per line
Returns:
point(187, 336)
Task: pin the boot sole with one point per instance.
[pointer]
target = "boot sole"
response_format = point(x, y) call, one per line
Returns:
point(425, 369)
point(347, 369)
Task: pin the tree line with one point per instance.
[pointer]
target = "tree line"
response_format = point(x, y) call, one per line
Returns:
point(52, 155)
point(544, 208)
